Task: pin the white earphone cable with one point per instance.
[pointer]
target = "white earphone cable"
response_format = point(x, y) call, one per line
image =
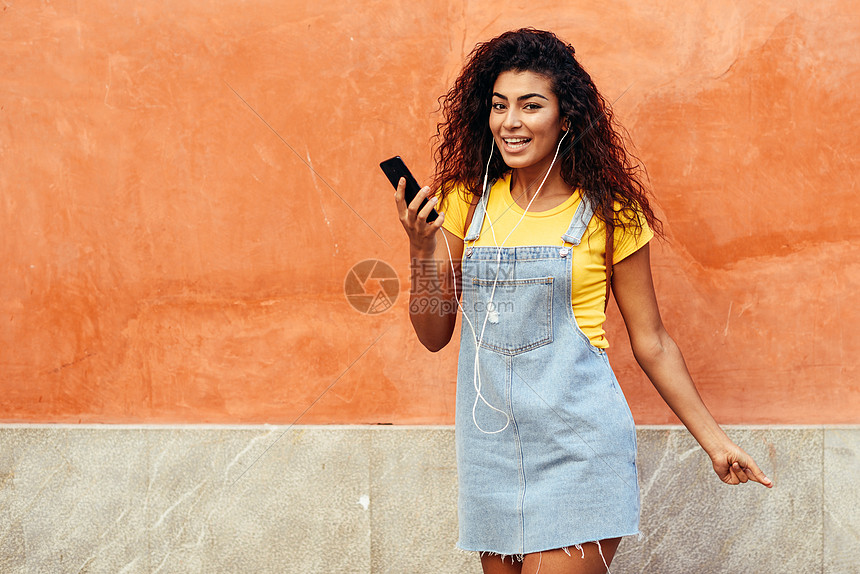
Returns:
point(476, 381)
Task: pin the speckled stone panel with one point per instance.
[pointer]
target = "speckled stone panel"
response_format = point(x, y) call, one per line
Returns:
point(414, 503)
point(842, 501)
point(383, 499)
point(72, 501)
point(259, 501)
point(692, 522)
point(184, 500)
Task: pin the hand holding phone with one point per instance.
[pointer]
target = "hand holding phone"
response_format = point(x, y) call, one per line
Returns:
point(394, 169)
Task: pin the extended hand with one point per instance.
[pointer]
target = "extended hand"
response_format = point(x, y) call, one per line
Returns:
point(734, 466)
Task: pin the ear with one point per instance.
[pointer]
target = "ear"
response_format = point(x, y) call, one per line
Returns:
point(565, 125)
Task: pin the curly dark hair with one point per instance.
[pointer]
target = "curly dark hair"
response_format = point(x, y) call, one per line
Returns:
point(596, 161)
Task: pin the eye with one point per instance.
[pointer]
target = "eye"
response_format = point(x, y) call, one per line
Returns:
point(532, 106)
point(498, 106)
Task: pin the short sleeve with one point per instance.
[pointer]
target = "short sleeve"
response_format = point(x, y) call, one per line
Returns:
point(456, 209)
point(629, 239)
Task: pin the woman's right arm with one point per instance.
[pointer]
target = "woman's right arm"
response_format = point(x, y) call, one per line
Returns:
point(432, 301)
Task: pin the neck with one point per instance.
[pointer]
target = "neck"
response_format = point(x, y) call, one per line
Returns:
point(526, 182)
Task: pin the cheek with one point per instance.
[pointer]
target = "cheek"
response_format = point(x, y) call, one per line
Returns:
point(495, 123)
point(551, 125)
point(495, 129)
point(552, 133)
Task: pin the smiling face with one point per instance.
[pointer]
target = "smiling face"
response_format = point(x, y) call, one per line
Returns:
point(525, 119)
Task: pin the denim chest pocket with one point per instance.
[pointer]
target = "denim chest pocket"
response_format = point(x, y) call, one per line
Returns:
point(516, 318)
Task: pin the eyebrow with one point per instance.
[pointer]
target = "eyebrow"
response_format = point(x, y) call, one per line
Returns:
point(521, 98)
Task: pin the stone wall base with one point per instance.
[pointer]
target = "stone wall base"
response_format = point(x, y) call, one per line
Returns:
point(383, 500)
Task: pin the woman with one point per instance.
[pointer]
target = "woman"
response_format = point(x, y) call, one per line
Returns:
point(531, 174)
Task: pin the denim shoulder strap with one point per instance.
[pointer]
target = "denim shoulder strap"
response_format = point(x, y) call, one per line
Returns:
point(579, 222)
point(474, 231)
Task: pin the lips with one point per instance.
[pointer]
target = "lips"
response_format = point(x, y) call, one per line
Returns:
point(515, 144)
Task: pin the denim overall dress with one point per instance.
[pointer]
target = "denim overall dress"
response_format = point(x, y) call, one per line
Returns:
point(546, 445)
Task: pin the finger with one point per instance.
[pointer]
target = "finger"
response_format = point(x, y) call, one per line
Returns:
point(738, 471)
point(722, 470)
point(439, 222)
point(730, 477)
point(425, 211)
point(411, 213)
point(755, 474)
point(398, 193)
point(434, 226)
point(419, 198)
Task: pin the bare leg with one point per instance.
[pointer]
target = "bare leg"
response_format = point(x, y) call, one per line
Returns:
point(596, 559)
point(495, 564)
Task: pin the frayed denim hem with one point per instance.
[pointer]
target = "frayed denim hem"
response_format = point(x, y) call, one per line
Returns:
point(520, 557)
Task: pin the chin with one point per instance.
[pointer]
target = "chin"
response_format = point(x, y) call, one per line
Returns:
point(518, 162)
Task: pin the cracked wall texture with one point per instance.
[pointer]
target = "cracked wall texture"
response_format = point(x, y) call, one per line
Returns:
point(185, 186)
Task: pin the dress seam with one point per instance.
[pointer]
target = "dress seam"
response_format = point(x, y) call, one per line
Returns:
point(522, 475)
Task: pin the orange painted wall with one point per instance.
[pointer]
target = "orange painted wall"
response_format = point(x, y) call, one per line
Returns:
point(167, 257)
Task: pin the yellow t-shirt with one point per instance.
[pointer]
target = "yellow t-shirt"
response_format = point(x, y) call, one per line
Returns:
point(546, 228)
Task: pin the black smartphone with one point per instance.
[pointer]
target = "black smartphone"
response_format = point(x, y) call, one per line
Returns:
point(394, 169)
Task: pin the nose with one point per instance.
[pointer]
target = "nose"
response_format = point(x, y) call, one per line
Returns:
point(512, 119)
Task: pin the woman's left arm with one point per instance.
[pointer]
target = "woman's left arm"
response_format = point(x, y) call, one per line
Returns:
point(661, 359)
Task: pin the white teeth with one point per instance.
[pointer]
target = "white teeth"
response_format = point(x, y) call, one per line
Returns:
point(517, 142)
